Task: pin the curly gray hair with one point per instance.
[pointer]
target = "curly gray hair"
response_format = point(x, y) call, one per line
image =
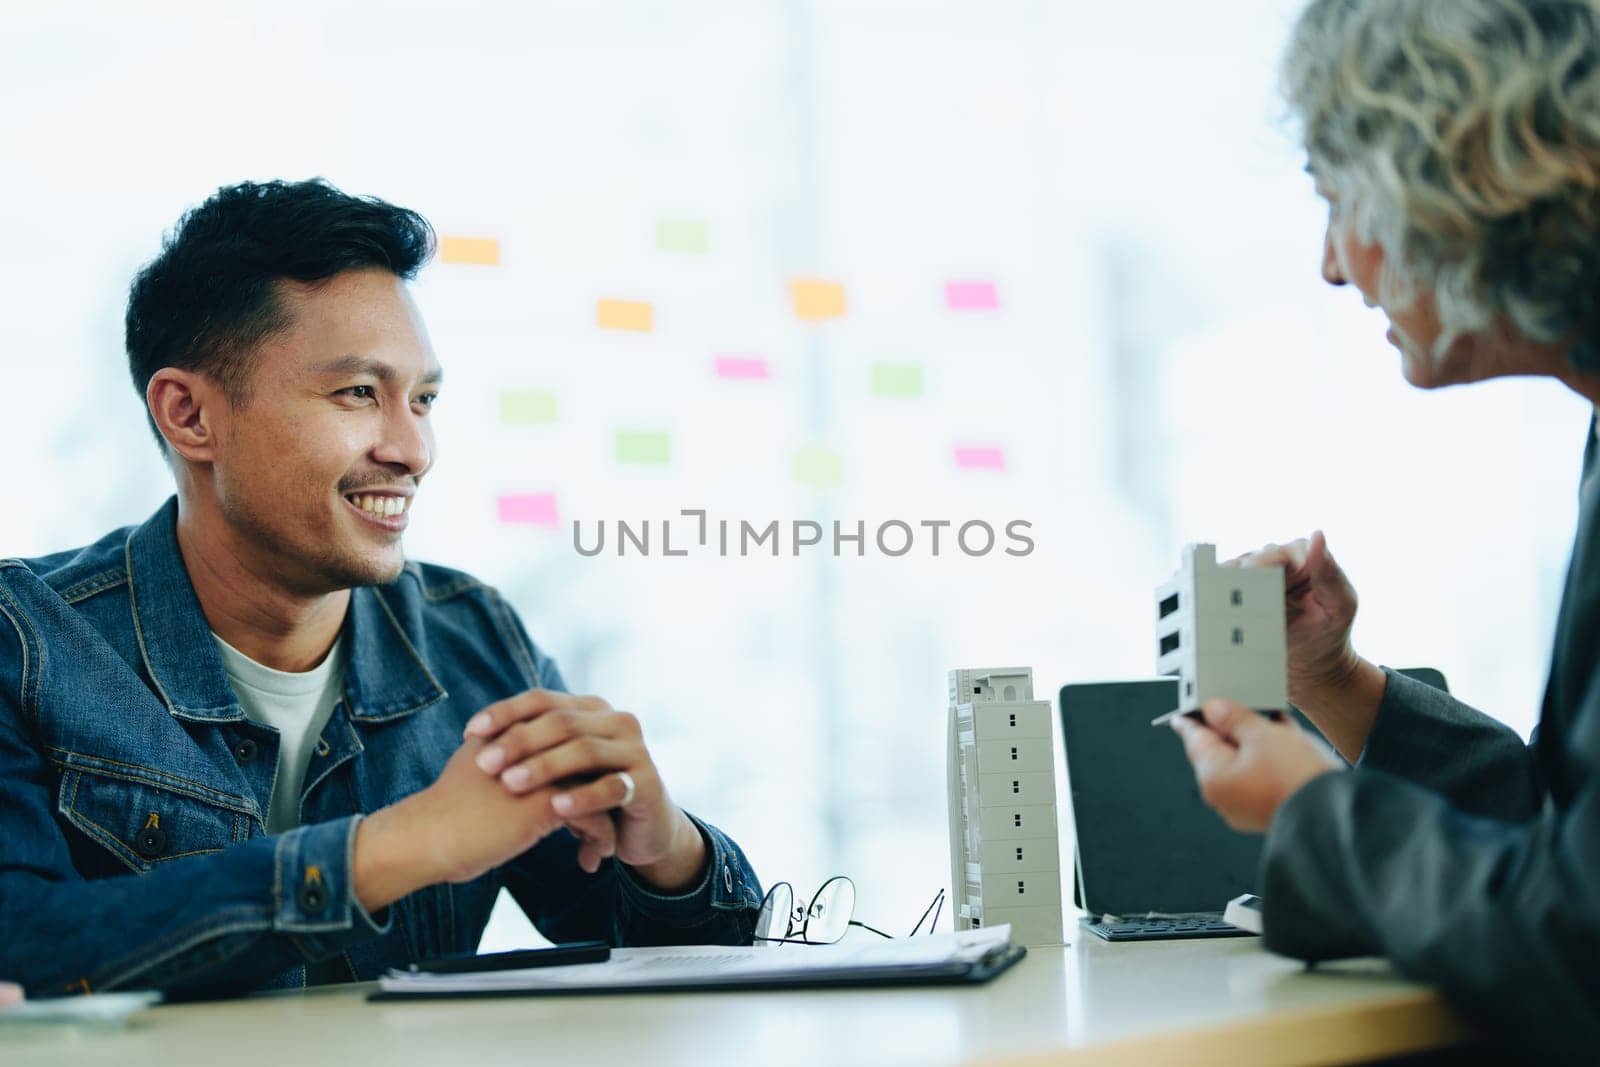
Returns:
point(1466, 133)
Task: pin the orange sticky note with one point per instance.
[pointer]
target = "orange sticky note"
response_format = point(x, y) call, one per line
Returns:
point(816, 300)
point(482, 251)
point(635, 315)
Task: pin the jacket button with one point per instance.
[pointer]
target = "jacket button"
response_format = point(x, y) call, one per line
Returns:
point(244, 750)
point(313, 899)
point(151, 842)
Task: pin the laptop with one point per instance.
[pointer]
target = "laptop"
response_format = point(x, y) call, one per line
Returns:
point(1154, 862)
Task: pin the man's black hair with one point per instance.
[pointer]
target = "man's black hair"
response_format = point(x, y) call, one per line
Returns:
point(211, 295)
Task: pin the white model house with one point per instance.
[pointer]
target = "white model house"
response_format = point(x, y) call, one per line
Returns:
point(1004, 858)
point(1221, 631)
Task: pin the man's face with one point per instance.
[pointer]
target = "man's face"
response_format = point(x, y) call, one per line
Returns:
point(316, 471)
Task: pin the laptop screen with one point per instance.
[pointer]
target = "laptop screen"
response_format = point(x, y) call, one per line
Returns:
point(1146, 841)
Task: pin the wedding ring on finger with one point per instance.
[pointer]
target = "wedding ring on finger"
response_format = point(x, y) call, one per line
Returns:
point(627, 789)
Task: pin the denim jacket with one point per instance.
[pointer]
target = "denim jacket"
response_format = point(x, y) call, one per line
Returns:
point(133, 790)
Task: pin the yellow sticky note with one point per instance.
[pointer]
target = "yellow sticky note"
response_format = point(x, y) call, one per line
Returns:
point(816, 300)
point(482, 251)
point(527, 407)
point(635, 315)
point(818, 467)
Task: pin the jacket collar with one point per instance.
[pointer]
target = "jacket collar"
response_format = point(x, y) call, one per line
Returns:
point(385, 677)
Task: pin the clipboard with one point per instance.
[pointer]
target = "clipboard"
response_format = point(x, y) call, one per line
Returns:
point(966, 957)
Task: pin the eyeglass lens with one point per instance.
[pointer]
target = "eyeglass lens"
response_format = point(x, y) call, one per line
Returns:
point(777, 912)
point(828, 917)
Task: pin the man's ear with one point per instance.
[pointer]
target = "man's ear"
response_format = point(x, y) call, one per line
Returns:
point(186, 407)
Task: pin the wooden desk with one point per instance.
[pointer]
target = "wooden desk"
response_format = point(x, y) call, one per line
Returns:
point(1201, 1002)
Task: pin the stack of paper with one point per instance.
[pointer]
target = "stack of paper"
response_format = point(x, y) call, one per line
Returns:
point(968, 955)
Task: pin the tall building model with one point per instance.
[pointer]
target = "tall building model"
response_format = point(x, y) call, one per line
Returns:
point(1221, 631)
point(1004, 857)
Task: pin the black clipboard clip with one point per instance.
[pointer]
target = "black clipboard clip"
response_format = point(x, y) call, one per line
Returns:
point(554, 956)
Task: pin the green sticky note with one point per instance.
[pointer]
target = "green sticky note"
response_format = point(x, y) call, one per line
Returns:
point(818, 467)
point(896, 379)
point(683, 235)
point(643, 446)
point(527, 407)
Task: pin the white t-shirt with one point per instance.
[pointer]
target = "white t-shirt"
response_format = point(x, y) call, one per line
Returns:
point(297, 705)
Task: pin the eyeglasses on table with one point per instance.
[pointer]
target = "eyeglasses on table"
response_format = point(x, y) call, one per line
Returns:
point(826, 919)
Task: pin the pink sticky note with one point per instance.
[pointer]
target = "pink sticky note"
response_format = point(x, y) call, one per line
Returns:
point(980, 458)
point(971, 296)
point(741, 367)
point(535, 509)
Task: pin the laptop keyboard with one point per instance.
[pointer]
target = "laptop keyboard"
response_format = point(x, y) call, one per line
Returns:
point(1171, 928)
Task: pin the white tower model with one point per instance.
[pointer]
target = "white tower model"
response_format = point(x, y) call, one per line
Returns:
point(1221, 631)
point(1005, 865)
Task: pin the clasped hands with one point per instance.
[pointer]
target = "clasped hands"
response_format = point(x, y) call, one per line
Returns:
point(573, 752)
point(527, 766)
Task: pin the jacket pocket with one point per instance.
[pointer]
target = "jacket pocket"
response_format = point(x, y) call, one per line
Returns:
point(142, 824)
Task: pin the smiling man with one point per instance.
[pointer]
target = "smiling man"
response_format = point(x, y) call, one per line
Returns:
point(248, 745)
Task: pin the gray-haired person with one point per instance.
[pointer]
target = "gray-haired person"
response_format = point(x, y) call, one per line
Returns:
point(1457, 143)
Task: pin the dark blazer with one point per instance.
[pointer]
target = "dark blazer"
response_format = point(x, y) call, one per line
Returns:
point(1469, 859)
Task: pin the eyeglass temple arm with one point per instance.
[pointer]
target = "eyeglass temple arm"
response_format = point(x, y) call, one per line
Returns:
point(936, 907)
point(873, 929)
